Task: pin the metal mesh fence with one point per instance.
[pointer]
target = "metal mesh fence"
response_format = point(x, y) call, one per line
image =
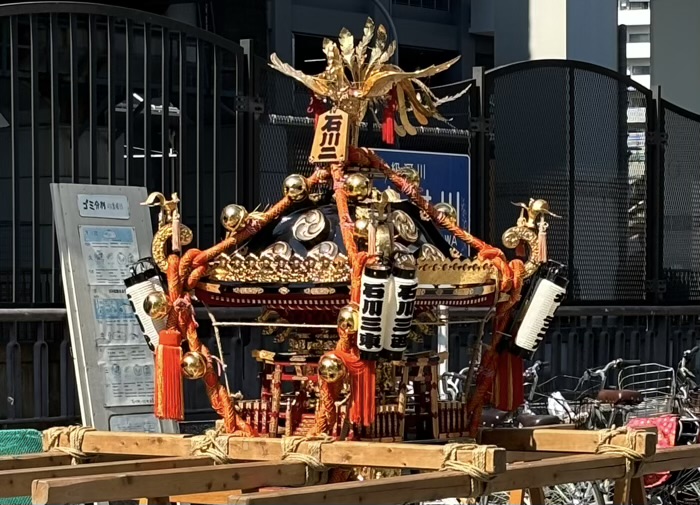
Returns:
point(681, 224)
point(561, 133)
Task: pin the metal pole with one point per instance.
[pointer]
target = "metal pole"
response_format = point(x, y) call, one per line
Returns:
point(390, 21)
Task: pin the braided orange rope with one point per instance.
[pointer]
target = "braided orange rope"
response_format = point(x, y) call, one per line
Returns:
point(183, 274)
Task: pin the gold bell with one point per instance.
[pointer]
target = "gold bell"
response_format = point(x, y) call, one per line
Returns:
point(331, 368)
point(295, 187)
point(194, 365)
point(156, 305)
point(233, 217)
point(447, 210)
point(349, 318)
point(358, 186)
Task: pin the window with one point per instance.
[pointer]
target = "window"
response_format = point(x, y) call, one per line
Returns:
point(639, 37)
point(440, 5)
point(640, 70)
point(634, 4)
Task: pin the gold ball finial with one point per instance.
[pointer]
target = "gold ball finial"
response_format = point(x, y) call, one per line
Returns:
point(358, 186)
point(233, 217)
point(349, 318)
point(331, 368)
point(156, 305)
point(447, 210)
point(295, 187)
point(411, 175)
point(194, 365)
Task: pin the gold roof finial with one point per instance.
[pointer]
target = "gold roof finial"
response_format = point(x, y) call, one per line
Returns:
point(358, 75)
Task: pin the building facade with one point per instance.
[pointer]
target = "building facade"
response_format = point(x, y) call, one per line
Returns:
point(635, 15)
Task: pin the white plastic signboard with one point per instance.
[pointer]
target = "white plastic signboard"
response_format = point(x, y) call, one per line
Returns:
point(101, 230)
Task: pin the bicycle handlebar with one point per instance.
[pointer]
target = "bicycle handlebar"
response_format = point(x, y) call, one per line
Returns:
point(690, 352)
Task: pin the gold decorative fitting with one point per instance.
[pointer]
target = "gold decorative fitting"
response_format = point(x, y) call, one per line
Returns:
point(168, 218)
point(411, 175)
point(455, 272)
point(295, 187)
point(309, 226)
point(357, 75)
point(428, 252)
point(194, 365)
point(349, 318)
point(531, 231)
point(358, 186)
point(278, 264)
point(447, 210)
point(404, 227)
point(331, 368)
point(233, 217)
point(156, 305)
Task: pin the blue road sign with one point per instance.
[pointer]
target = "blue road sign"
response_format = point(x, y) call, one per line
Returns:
point(444, 178)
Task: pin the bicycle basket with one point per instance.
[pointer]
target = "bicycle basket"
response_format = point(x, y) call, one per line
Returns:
point(656, 383)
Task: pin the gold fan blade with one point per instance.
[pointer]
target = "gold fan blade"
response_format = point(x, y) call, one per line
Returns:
point(377, 83)
point(400, 130)
point(420, 112)
point(314, 83)
point(410, 129)
point(347, 47)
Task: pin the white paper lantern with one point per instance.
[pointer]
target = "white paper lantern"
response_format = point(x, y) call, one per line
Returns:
point(143, 281)
point(399, 312)
point(374, 298)
point(546, 296)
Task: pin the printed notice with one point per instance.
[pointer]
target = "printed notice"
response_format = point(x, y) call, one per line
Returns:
point(116, 322)
point(103, 206)
point(127, 374)
point(138, 423)
point(108, 251)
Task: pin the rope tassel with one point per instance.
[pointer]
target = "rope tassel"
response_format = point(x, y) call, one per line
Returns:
point(169, 399)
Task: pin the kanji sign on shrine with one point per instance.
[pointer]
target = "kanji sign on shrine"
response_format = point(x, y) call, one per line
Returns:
point(331, 138)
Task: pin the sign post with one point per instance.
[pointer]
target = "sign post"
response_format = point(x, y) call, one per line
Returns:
point(101, 230)
point(443, 178)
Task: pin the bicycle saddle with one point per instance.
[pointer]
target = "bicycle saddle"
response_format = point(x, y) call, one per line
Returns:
point(620, 397)
point(494, 418)
point(533, 420)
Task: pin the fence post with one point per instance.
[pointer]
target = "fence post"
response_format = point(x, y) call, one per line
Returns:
point(655, 196)
point(479, 129)
point(251, 107)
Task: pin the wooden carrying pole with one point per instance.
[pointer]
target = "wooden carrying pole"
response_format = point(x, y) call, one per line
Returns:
point(338, 453)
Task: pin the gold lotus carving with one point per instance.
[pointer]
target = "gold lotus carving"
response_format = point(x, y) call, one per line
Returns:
point(323, 269)
point(457, 272)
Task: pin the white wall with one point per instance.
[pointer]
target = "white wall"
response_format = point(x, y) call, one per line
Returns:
point(583, 30)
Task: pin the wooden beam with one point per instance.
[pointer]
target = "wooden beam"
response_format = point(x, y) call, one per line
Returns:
point(52, 458)
point(673, 459)
point(134, 444)
point(19, 482)
point(157, 483)
point(377, 454)
point(340, 453)
point(440, 485)
point(557, 440)
point(34, 460)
